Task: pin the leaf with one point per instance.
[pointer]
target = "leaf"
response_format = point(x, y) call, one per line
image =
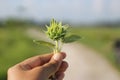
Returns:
point(71, 38)
point(44, 43)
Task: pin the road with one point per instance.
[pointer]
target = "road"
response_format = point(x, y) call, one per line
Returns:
point(86, 64)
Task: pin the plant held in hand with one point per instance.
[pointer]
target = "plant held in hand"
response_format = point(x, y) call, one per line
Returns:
point(59, 34)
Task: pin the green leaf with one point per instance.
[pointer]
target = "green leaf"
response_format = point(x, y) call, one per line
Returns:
point(44, 43)
point(71, 38)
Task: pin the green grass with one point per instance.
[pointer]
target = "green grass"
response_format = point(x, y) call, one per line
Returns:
point(100, 39)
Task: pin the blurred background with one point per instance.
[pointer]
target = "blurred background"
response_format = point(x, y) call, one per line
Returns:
point(21, 21)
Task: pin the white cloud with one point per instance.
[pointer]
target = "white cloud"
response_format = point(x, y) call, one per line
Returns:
point(28, 3)
point(98, 6)
point(115, 8)
point(5, 9)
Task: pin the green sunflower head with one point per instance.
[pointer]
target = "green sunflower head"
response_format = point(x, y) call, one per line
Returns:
point(56, 31)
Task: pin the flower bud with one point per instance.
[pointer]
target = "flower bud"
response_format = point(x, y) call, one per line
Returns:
point(56, 31)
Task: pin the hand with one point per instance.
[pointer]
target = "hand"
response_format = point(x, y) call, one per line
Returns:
point(39, 68)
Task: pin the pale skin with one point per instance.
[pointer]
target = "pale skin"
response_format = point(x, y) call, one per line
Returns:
point(40, 67)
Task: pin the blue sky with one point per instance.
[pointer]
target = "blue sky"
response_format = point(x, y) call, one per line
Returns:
point(71, 10)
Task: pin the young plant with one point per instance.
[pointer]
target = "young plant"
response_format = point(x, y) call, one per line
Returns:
point(59, 34)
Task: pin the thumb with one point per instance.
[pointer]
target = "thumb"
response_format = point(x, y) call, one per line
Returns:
point(53, 65)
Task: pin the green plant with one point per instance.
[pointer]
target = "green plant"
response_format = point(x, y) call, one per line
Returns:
point(58, 33)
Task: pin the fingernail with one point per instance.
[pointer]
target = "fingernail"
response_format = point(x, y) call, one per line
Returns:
point(57, 56)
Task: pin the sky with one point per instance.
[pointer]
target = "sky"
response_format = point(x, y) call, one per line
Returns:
point(76, 11)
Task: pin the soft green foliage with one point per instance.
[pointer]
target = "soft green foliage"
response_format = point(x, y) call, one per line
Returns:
point(71, 38)
point(44, 43)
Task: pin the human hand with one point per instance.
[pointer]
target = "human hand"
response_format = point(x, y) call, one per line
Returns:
point(39, 68)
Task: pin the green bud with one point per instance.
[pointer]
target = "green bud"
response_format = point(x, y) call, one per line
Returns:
point(56, 31)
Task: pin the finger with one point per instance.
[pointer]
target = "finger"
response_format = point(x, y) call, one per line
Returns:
point(60, 76)
point(35, 61)
point(53, 65)
point(61, 70)
point(63, 67)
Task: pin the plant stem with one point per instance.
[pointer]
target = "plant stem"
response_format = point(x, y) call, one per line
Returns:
point(61, 44)
point(56, 47)
point(56, 50)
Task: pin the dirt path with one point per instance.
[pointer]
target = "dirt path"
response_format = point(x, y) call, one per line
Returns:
point(85, 64)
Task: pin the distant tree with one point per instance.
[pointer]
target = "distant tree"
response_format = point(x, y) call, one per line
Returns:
point(13, 22)
point(1, 23)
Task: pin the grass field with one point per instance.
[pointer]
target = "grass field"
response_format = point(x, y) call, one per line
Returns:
point(100, 39)
point(15, 46)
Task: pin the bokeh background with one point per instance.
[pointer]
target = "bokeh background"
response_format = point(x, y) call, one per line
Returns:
point(21, 21)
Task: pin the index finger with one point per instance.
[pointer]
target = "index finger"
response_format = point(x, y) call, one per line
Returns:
point(35, 61)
